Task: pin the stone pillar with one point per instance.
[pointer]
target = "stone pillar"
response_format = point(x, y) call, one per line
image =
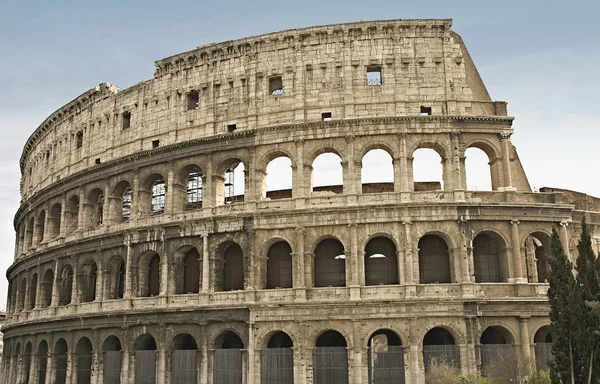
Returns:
point(71, 365)
point(564, 237)
point(299, 276)
point(253, 369)
point(206, 286)
point(463, 353)
point(128, 292)
point(466, 253)
point(51, 366)
point(355, 356)
point(415, 375)
point(405, 184)
point(75, 296)
point(208, 192)
point(164, 274)
point(169, 190)
point(298, 183)
point(408, 254)
point(134, 209)
point(99, 281)
point(505, 144)
point(457, 170)
point(81, 213)
point(352, 265)
point(348, 166)
point(401, 266)
point(516, 252)
point(54, 302)
point(33, 367)
point(204, 354)
point(106, 211)
point(46, 231)
point(524, 335)
point(125, 357)
point(64, 217)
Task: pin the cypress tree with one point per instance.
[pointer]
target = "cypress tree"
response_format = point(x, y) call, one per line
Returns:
point(561, 295)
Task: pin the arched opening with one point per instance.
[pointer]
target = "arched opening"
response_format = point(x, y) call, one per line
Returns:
point(29, 233)
point(42, 361)
point(187, 271)
point(439, 347)
point(231, 182)
point(434, 260)
point(159, 193)
point(279, 266)
point(61, 351)
point(145, 359)
point(115, 278)
point(188, 187)
point(278, 360)
point(385, 358)
point(120, 202)
point(72, 214)
point(330, 359)
point(54, 221)
point(83, 351)
point(377, 173)
point(32, 292)
point(87, 284)
point(381, 262)
point(149, 277)
point(94, 209)
point(152, 195)
point(112, 356)
point(47, 281)
point(227, 359)
point(184, 361)
point(278, 183)
point(538, 249)
point(230, 268)
point(26, 363)
point(65, 287)
point(489, 258)
point(330, 264)
point(39, 227)
point(327, 173)
point(22, 293)
point(496, 349)
point(543, 348)
point(478, 170)
point(427, 170)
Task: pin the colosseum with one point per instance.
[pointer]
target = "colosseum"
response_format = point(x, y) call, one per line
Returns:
point(152, 247)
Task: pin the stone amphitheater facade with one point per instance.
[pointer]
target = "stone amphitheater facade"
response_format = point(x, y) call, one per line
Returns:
point(137, 262)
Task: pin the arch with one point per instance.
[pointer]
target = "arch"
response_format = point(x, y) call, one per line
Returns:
point(39, 227)
point(184, 341)
point(231, 181)
point(145, 359)
point(538, 250)
point(120, 203)
point(377, 171)
point(149, 274)
point(279, 178)
point(327, 173)
point(94, 208)
point(329, 264)
point(497, 347)
point(228, 340)
point(29, 231)
point(184, 361)
point(42, 361)
point(330, 363)
point(427, 168)
point(434, 260)
point(188, 187)
point(22, 294)
point(188, 277)
point(231, 270)
point(381, 262)
point(278, 359)
point(478, 170)
point(32, 297)
point(385, 357)
point(112, 359)
point(542, 341)
point(439, 346)
point(227, 363)
point(54, 221)
point(152, 194)
point(490, 258)
point(26, 362)
point(493, 156)
point(65, 285)
point(279, 265)
point(61, 351)
point(46, 294)
point(115, 278)
point(112, 343)
point(72, 214)
point(87, 283)
point(83, 349)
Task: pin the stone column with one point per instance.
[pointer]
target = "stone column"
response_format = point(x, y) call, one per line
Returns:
point(299, 283)
point(75, 296)
point(164, 274)
point(33, 367)
point(54, 302)
point(99, 282)
point(134, 209)
point(128, 292)
point(204, 354)
point(206, 286)
point(524, 335)
point(298, 183)
point(564, 237)
point(50, 366)
point(64, 217)
point(253, 369)
point(408, 256)
point(355, 356)
point(348, 166)
point(81, 213)
point(106, 211)
point(71, 365)
point(352, 265)
point(405, 185)
point(415, 375)
point(516, 252)
point(208, 195)
point(466, 253)
point(401, 266)
point(505, 144)
point(457, 170)
point(170, 190)
point(46, 231)
point(125, 357)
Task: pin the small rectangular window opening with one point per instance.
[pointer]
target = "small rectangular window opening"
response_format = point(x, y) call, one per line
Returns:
point(155, 143)
point(231, 128)
point(79, 138)
point(326, 116)
point(425, 111)
point(193, 99)
point(275, 85)
point(126, 117)
point(98, 161)
point(374, 75)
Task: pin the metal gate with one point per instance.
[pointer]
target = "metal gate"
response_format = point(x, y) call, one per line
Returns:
point(277, 366)
point(112, 367)
point(84, 368)
point(330, 365)
point(543, 355)
point(386, 367)
point(61, 368)
point(145, 367)
point(227, 366)
point(42, 366)
point(184, 367)
point(440, 354)
point(493, 352)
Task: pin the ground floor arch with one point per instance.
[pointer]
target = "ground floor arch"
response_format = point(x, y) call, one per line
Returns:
point(228, 364)
point(277, 360)
point(439, 346)
point(330, 356)
point(385, 358)
point(542, 342)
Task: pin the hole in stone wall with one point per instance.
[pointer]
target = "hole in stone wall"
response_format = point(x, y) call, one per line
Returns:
point(275, 85)
point(231, 128)
point(79, 139)
point(193, 98)
point(374, 75)
point(326, 116)
point(126, 119)
point(155, 143)
point(425, 111)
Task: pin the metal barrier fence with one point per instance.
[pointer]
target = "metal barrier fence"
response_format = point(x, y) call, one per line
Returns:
point(386, 367)
point(184, 367)
point(112, 367)
point(330, 365)
point(61, 368)
point(277, 366)
point(84, 368)
point(42, 367)
point(145, 367)
point(227, 367)
point(543, 355)
point(441, 354)
point(493, 352)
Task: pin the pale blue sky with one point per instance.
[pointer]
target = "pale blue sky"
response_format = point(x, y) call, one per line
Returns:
point(541, 56)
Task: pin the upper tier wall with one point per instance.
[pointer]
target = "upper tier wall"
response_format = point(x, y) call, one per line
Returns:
point(322, 69)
